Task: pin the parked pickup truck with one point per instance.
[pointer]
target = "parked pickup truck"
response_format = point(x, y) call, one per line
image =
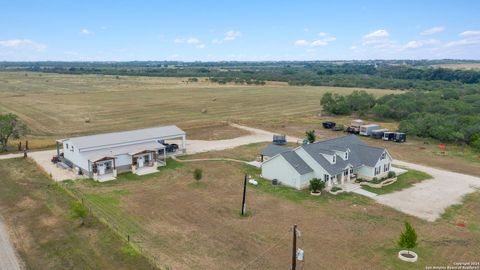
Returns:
point(170, 147)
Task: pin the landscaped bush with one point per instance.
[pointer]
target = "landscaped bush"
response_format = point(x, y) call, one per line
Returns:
point(376, 180)
point(316, 185)
point(408, 238)
point(334, 189)
point(197, 174)
point(360, 180)
point(391, 174)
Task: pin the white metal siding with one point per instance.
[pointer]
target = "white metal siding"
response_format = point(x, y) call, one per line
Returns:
point(279, 168)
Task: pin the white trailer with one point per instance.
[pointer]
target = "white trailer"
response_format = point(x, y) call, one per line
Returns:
point(366, 130)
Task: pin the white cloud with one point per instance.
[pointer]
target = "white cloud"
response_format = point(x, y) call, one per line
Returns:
point(301, 42)
point(22, 44)
point(228, 36)
point(433, 30)
point(323, 34)
point(377, 34)
point(415, 44)
point(469, 33)
point(193, 40)
point(86, 32)
point(190, 40)
point(200, 46)
point(232, 35)
point(326, 38)
point(463, 42)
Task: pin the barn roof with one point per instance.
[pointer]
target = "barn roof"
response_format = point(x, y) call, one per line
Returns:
point(125, 137)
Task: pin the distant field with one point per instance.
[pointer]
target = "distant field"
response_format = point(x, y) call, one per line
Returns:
point(460, 66)
point(55, 105)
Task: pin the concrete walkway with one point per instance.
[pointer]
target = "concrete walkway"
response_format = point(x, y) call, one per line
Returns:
point(9, 156)
point(8, 257)
point(429, 199)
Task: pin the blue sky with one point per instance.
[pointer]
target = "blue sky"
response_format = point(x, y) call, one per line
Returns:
point(238, 30)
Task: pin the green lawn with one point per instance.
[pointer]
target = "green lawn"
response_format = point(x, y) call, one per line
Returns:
point(404, 181)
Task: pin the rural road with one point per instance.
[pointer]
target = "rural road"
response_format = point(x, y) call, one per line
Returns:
point(8, 257)
point(429, 198)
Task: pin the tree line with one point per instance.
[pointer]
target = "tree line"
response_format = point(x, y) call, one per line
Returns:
point(447, 115)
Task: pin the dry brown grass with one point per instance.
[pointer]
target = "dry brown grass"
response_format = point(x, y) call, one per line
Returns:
point(54, 105)
point(190, 225)
point(36, 211)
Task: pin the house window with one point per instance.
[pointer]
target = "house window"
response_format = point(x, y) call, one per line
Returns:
point(351, 171)
point(334, 159)
point(378, 169)
point(383, 155)
point(66, 145)
point(386, 167)
point(71, 149)
point(345, 173)
point(346, 155)
point(326, 177)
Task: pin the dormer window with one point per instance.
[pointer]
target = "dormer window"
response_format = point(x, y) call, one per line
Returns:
point(334, 159)
point(346, 155)
point(383, 155)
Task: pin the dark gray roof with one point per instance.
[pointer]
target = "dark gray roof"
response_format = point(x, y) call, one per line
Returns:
point(297, 162)
point(272, 150)
point(360, 153)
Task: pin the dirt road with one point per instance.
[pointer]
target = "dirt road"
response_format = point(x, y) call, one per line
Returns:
point(8, 257)
point(428, 199)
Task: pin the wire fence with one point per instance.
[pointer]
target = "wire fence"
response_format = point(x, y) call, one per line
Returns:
point(131, 236)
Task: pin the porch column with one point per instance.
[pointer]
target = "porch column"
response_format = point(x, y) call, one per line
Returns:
point(183, 144)
point(343, 178)
point(348, 175)
point(58, 149)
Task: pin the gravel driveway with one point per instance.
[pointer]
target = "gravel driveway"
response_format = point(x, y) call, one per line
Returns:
point(255, 136)
point(428, 199)
point(8, 257)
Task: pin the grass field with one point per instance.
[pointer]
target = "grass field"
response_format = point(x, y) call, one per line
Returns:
point(37, 212)
point(58, 105)
point(196, 225)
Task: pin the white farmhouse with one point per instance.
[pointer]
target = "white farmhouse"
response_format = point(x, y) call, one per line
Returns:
point(102, 156)
point(336, 161)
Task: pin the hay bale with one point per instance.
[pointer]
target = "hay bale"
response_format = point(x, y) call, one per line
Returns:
point(87, 120)
point(214, 99)
point(204, 110)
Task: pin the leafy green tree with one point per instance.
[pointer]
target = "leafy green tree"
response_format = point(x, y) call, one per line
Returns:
point(10, 127)
point(198, 174)
point(311, 136)
point(316, 185)
point(475, 141)
point(78, 211)
point(408, 238)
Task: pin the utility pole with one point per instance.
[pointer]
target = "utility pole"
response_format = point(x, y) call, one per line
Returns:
point(244, 205)
point(294, 249)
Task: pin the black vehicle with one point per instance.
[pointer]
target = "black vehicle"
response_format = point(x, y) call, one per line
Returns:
point(338, 128)
point(328, 124)
point(169, 147)
point(400, 137)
